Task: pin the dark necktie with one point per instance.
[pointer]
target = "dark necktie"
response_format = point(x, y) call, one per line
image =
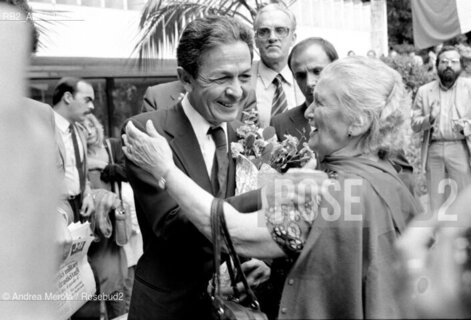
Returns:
point(221, 162)
point(78, 160)
point(279, 104)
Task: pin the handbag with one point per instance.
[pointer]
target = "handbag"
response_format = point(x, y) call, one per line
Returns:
point(123, 221)
point(233, 308)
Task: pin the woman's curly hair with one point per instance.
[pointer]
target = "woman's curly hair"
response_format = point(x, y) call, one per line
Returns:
point(370, 91)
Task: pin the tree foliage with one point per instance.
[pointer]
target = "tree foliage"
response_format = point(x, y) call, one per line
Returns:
point(399, 22)
point(163, 20)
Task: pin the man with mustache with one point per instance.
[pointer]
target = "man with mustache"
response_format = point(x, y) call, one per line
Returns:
point(72, 100)
point(442, 110)
point(276, 91)
point(306, 61)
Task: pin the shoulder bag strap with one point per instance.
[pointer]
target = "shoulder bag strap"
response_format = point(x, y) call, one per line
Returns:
point(117, 186)
point(216, 239)
point(233, 255)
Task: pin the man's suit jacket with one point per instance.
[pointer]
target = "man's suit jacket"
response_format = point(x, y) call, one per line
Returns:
point(428, 94)
point(163, 95)
point(174, 271)
point(294, 123)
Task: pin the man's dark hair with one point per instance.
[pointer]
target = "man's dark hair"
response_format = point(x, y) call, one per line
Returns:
point(445, 49)
point(328, 48)
point(203, 34)
point(66, 84)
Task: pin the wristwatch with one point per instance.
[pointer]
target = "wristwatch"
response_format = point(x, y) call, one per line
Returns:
point(162, 183)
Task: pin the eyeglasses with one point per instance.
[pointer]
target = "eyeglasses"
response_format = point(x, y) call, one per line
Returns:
point(264, 33)
point(446, 61)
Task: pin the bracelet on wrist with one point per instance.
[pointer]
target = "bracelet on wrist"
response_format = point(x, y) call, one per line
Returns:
point(162, 181)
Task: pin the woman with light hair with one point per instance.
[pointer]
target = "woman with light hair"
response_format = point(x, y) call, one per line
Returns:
point(344, 243)
point(107, 258)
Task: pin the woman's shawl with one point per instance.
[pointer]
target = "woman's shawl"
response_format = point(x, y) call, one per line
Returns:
point(368, 170)
point(345, 269)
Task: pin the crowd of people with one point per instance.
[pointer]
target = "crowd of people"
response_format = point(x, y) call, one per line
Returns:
point(354, 241)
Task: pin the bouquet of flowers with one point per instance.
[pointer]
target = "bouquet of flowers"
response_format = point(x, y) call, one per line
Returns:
point(258, 150)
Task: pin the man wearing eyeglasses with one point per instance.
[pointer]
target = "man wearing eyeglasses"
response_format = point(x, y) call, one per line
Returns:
point(442, 110)
point(276, 90)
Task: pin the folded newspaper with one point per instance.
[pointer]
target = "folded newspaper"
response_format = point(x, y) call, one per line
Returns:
point(75, 281)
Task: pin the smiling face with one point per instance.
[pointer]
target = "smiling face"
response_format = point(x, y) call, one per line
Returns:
point(274, 50)
point(330, 124)
point(306, 66)
point(223, 82)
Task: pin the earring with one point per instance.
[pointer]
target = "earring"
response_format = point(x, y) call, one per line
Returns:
point(349, 133)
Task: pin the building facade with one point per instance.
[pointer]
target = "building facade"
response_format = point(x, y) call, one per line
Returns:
point(95, 39)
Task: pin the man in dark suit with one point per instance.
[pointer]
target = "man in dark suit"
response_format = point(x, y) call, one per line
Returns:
point(214, 66)
point(163, 95)
point(306, 61)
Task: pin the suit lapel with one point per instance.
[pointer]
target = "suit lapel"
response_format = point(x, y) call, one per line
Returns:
point(300, 125)
point(434, 96)
point(83, 139)
point(61, 147)
point(296, 117)
point(231, 170)
point(187, 152)
point(175, 96)
point(186, 148)
point(461, 90)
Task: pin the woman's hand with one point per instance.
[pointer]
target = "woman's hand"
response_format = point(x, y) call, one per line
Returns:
point(88, 205)
point(256, 272)
point(105, 201)
point(149, 151)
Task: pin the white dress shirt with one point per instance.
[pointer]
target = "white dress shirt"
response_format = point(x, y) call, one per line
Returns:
point(265, 90)
point(71, 178)
point(201, 126)
point(443, 127)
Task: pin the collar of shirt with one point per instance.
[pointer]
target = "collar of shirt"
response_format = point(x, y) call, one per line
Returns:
point(267, 75)
point(200, 125)
point(71, 175)
point(443, 88)
point(61, 122)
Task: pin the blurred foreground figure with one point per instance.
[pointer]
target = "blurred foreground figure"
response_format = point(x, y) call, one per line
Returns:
point(436, 264)
point(29, 187)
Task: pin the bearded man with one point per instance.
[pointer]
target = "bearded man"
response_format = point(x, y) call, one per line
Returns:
point(442, 110)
